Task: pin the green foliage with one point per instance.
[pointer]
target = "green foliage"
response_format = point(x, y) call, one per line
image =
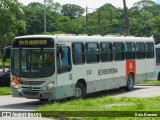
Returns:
point(150, 82)
point(6, 64)
point(35, 5)
point(5, 90)
point(11, 22)
point(16, 19)
point(55, 32)
point(144, 18)
point(34, 19)
point(72, 10)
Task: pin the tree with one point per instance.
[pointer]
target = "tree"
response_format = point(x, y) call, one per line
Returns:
point(55, 7)
point(144, 4)
point(147, 6)
point(110, 20)
point(156, 31)
point(72, 10)
point(34, 13)
point(11, 20)
point(34, 19)
point(11, 23)
point(144, 18)
point(35, 5)
point(142, 25)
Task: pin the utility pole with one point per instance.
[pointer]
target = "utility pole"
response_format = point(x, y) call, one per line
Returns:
point(99, 21)
point(111, 29)
point(44, 16)
point(86, 20)
point(127, 32)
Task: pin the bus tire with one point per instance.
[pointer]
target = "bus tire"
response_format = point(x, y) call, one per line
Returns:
point(159, 76)
point(80, 90)
point(130, 82)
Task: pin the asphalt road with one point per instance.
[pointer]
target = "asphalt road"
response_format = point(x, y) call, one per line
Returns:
point(7, 103)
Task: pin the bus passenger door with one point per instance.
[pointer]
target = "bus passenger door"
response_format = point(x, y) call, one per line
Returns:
point(64, 73)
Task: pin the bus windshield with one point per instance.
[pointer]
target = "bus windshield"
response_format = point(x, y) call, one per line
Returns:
point(32, 63)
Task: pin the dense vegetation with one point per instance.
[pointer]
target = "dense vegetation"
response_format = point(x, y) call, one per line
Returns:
point(17, 19)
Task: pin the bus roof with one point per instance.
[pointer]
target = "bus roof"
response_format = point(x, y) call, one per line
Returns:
point(74, 38)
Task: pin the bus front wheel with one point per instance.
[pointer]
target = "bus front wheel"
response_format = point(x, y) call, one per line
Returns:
point(80, 90)
point(130, 82)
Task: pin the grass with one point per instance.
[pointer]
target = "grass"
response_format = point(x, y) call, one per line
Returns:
point(5, 90)
point(150, 82)
point(6, 64)
point(97, 108)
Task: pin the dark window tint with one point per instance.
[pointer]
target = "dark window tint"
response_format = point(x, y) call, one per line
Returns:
point(64, 60)
point(106, 51)
point(118, 49)
point(149, 50)
point(140, 50)
point(130, 50)
point(92, 52)
point(157, 55)
point(78, 53)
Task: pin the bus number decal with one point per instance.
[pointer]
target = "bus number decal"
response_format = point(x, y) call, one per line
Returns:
point(89, 72)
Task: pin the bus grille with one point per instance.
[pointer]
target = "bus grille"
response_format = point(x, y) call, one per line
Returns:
point(33, 82)
point(31, 93)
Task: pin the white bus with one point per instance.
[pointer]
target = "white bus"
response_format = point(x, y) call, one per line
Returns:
point(55, 67)
point(157, 49)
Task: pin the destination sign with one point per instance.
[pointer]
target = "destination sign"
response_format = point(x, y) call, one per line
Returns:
point(34, 42)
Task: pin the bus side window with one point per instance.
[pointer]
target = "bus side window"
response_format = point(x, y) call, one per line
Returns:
point(78, 53)
point(130, 50)
point(118, 50)
point(92, 52)
point(149, 50)
point(64, 60)
point(106, 52)
point(140, 50)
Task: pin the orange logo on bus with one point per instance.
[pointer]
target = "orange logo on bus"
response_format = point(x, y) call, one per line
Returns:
point(130, 66)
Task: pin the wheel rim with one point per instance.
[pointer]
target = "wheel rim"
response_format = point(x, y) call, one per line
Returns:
point(78, 92)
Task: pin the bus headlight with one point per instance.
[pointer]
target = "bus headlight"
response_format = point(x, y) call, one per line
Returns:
point(49, 85)
point(15, 85)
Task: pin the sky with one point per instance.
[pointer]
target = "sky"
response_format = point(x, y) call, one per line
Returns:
point(89, 3)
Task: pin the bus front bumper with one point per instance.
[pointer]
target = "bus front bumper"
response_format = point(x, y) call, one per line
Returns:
point(35, 94)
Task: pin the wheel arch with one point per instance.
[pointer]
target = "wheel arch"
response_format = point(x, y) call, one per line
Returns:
point(82, 81)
